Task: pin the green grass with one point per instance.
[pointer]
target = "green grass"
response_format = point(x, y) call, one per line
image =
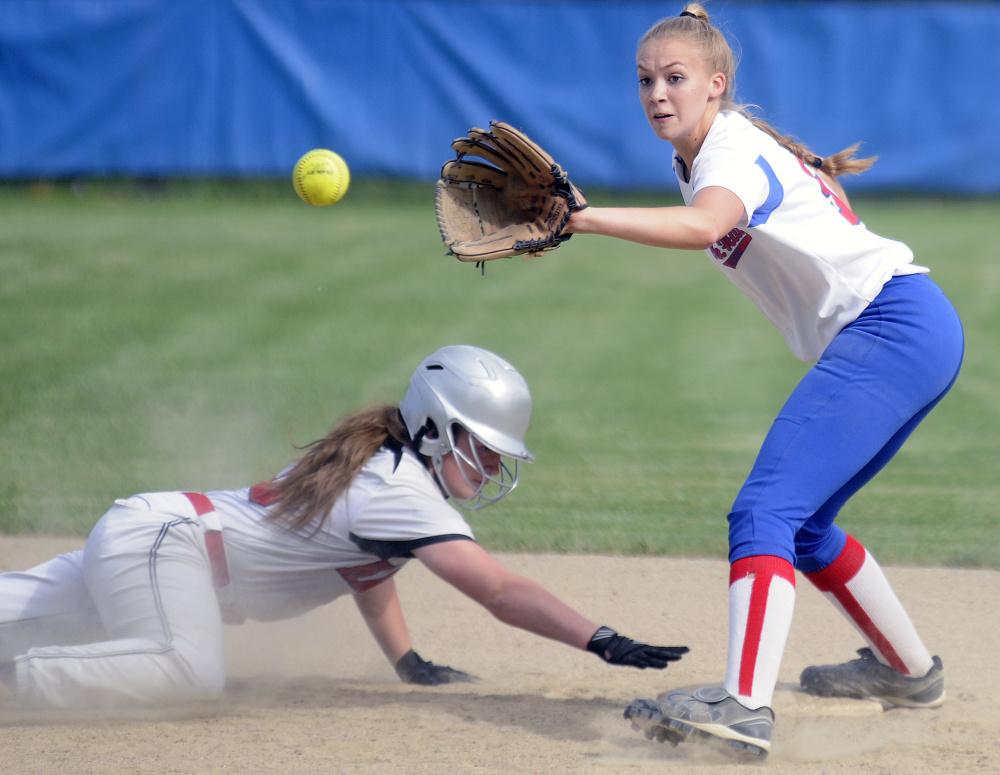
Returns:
point(183, 336)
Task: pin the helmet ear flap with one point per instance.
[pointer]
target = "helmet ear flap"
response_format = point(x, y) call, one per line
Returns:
point(427, 432)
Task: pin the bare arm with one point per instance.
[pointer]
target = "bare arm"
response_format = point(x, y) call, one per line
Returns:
point(379, 606)
point(512, 599)
point(713, 213)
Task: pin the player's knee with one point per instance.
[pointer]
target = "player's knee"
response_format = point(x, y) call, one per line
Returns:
point(209, 686)
point(812, 557)
point(198, 676)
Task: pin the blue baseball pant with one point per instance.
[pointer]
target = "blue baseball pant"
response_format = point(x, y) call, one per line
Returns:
point(848, 416)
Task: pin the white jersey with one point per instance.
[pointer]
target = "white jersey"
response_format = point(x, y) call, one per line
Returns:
point(151, 569)
point(387, 511)
point(799, 253)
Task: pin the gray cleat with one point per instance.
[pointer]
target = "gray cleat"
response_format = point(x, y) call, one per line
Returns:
point(709, 715)
point(868, 679)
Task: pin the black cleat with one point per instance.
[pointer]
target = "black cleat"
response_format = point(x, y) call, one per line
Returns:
point(868, 679)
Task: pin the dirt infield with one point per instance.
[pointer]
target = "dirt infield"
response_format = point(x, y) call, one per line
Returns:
point(314, 695)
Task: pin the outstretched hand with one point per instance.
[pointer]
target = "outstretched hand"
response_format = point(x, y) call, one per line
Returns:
point(616, 649)
point(412, 669)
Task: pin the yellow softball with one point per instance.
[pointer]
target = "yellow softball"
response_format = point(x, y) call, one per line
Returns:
point(321, 177)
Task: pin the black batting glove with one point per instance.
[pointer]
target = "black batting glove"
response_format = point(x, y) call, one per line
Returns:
point(412, 669)
point(618, 650)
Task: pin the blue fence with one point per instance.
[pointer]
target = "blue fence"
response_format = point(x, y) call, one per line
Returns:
point(243, 87)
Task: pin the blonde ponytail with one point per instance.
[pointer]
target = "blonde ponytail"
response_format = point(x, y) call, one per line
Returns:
point(308, 491)
point(842, 163)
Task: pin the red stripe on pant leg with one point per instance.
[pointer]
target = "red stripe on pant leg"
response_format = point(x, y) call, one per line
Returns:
point(834, 579)
point(763, 568)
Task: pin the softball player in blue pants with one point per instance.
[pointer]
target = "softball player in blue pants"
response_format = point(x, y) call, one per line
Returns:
point(886, 343)
point(848, 416)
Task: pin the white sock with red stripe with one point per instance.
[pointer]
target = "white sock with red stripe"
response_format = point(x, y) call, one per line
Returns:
point(855, 583)
point(761, 603)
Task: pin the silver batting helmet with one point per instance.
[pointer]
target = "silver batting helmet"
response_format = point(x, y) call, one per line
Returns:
point(479, 391)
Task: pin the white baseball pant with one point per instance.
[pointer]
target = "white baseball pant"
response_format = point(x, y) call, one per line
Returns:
point(133, 618)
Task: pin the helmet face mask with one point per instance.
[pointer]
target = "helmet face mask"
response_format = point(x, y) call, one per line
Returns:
point(481, 393)
point(487, 486)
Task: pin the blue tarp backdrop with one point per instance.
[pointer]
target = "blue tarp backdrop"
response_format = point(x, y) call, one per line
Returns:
point(244, 87)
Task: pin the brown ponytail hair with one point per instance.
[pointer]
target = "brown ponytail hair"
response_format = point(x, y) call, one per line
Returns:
point(308, 491)
point(694, 25)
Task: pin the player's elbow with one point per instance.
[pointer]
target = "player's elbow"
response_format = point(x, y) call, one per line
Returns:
point(498, 604)
point(703, 235)
point(502, 603)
